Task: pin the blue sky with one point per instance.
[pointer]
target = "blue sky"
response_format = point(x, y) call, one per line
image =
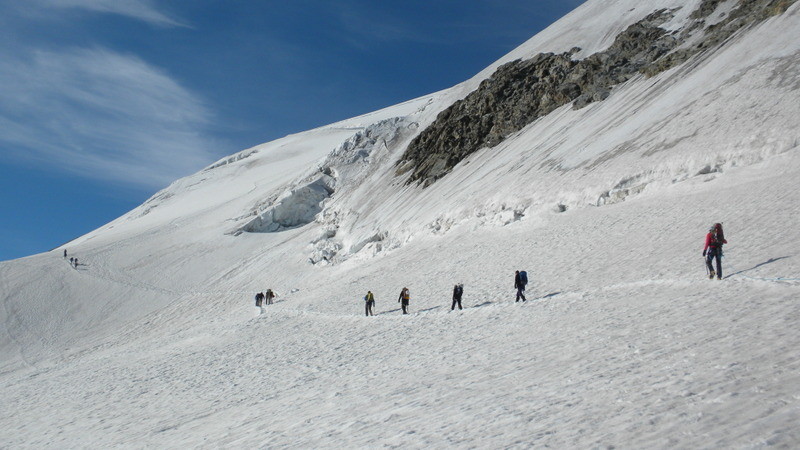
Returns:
point(104, 102)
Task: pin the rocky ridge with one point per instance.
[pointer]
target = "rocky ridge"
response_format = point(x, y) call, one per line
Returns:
point(520, 92)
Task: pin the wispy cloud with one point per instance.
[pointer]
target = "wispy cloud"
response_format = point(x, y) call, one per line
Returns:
point(102, 114)
point(144, 10)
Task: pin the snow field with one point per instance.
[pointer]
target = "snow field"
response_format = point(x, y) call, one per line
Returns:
point(622, 343)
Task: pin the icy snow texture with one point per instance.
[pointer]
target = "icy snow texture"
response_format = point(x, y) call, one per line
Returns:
point(154, 341)
point(298, 207)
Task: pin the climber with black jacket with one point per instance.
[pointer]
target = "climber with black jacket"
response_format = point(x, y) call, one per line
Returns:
point(404, 298)
point(458, 291)
point(520, 280)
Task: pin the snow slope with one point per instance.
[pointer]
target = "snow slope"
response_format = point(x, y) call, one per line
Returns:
point(153, 339)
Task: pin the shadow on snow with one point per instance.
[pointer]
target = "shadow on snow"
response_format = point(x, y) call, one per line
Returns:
point(769, 261)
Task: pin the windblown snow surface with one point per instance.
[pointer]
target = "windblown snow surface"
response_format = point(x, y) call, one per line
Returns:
point(154, 340)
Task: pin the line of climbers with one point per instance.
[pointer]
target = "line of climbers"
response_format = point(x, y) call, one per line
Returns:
point(263, 299)
point(520, 281)
point(712, 250)
point(73, 262)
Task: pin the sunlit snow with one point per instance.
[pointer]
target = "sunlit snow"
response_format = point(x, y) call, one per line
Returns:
point(154, 339)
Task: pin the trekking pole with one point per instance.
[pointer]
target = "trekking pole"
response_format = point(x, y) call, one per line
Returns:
point(706, 266)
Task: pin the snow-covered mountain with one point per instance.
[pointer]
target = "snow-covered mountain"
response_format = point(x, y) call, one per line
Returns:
point(599, 153)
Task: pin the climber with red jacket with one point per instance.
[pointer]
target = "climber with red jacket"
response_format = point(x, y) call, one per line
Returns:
point(713, 249)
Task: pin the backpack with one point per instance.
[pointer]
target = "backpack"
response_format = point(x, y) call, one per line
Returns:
point(523, 277)
point(719, 236)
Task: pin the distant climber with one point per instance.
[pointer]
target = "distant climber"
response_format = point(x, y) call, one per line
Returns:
point(369, 301)
point(713, 250)
point(72, 261)
point(458, 291)
point(520, 281)
point(65, 253)
point(404, 298)
point(260, 299)
point(269, 296)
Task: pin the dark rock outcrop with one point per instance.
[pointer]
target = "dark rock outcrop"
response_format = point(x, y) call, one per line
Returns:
point(520, 92)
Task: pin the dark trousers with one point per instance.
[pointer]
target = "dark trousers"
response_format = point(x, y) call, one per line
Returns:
point(714, 253)
point(369, 308)
point(456, 301)
point(521, 293)
point(404, 305)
